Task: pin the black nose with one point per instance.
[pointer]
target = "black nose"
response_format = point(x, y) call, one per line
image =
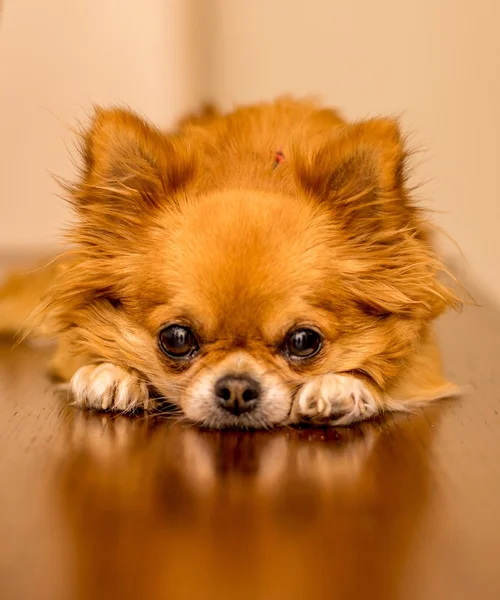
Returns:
point(237, 393)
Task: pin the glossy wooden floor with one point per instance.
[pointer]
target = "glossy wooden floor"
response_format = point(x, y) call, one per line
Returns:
point(408, 508)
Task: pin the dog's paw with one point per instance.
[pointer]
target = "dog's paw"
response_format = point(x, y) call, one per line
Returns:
point(108, 387)
point(335, 399)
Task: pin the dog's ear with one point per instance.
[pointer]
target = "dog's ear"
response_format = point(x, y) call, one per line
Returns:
point(382, 251)
point(358, 169)
point(127, 161)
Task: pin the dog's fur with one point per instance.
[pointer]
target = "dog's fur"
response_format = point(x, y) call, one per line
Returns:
point(205, 228)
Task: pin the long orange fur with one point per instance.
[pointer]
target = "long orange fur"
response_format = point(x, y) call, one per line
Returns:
point(201, 221)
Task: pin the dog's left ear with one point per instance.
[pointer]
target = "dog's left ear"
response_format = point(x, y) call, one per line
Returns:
point(384, 252)
point(358, 169)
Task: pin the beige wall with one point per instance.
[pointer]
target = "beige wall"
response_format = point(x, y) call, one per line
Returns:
point(434, 62)
point(56, 59)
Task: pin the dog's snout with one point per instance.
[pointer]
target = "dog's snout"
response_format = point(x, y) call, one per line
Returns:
point(237, 393)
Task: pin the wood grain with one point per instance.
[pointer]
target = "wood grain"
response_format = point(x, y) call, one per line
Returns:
point(95, 506)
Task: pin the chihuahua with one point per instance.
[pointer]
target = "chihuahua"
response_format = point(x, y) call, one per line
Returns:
point(255, 269)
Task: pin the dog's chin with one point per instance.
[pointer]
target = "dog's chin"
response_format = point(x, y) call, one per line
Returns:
point(220, 419)
point(208, 414)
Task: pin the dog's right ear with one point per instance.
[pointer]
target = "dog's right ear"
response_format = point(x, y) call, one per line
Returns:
point(127, 161)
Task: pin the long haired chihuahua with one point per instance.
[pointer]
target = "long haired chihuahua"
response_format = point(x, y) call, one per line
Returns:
point(254, 269)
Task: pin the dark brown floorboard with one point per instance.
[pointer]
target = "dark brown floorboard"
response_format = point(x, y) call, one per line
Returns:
point(95, 506)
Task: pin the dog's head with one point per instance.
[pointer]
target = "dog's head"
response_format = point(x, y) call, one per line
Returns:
point(228, 299)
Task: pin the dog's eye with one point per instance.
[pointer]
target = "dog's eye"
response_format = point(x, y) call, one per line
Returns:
point(177, 341)
point(303, 343)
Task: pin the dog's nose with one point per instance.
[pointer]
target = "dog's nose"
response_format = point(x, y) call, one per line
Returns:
point(237, 393)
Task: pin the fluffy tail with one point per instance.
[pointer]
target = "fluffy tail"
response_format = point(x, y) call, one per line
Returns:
point(20, 295)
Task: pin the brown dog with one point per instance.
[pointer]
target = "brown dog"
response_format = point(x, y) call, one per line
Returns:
point(255, 269)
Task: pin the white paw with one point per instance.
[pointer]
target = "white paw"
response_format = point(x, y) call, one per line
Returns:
point(108, 387)
point(335, 399)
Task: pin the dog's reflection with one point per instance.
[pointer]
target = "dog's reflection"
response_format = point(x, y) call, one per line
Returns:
point(164, 510)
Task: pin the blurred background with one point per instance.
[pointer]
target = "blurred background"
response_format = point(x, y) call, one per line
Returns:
point(433, 63)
